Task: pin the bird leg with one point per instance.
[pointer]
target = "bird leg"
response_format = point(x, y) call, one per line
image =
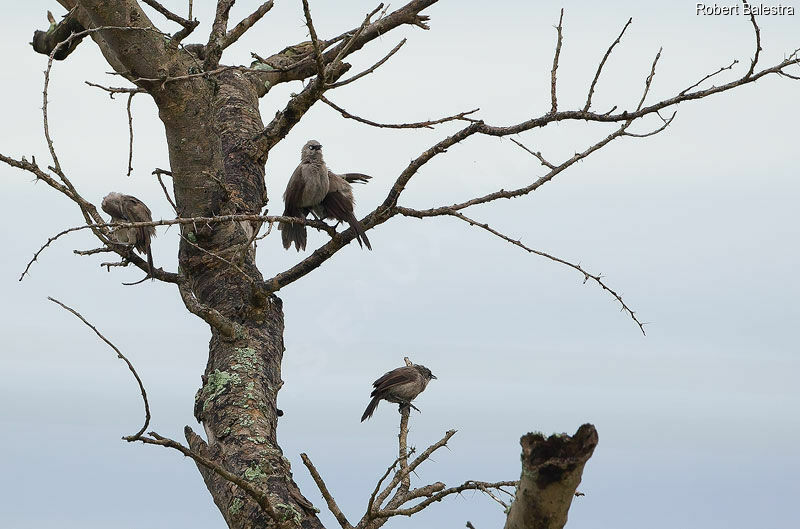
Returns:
point(407, 405)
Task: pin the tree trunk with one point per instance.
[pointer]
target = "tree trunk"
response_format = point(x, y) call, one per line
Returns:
point(551, 472)
point(210, 137)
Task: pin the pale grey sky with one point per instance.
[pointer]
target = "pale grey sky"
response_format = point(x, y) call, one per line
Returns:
point(697, 227)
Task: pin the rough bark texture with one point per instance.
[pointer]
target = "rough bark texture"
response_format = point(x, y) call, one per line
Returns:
point(551, 472)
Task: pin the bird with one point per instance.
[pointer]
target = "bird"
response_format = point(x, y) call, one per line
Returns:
point(400, 386)
point(127, 208)
point(314, 189)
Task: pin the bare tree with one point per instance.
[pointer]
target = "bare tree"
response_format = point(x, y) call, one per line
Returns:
point(219, 147)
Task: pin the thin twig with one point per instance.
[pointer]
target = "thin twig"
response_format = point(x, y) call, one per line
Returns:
point(158, 172)
point(122, 357)
point(586, 275)
point(709, 76)
point(461, 116)
point(553, 100)
point(115, 90)
point(352, 39)
point(757, 31)
point(439, 496)
point(371, 502)
point(246, 23)
point(537, 154)
point(369, 70)
point(649, 80)
point(314, 42)
point(602, 63)
point(130, 132)
point(93, 251)
point(186, 23)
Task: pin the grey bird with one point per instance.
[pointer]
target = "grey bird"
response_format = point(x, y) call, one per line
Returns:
point(127, 208)
point(314, 189)
point(400, 386)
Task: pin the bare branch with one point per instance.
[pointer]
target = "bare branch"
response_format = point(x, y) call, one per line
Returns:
point(169, 15)
point(553, 100)
point(122, 357)
point(314, 42)
point(537, 154)
point(439, 496)
point(757, 32)
point(649, 80)
point(93, 251)
point(217, 36)
point(246, 23)
point(402, 437)
point(371, 502)
point(289, 65)
point(386, 210)
point(158, 172)
point(115, 90)
point(709, 76)
point(602, 63)
point(125, 251)
point(345, 48)
point(260, 497)
point(332, 506)
point(461, 116)
point(586, 275)
point(130, 133)
point(403, 473)
point(666, 123)
point(370, 69)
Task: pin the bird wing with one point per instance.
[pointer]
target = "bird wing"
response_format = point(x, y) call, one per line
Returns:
point(294, 193)
point(134, 210)
point(395, 377)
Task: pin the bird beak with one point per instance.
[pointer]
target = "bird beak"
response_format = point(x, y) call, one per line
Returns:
point(433, 377)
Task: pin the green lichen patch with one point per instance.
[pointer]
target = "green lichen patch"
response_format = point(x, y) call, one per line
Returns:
point(287, 511)
point(218, 382)
point(236, 506)
point(254, 473)
point(246, 357)
point(259, 439)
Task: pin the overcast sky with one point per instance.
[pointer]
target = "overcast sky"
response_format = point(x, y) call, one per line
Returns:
point(696, 227)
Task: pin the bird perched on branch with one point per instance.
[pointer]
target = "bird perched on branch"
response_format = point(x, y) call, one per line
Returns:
point(400, 386)
point(126, 208)
point(314, 189)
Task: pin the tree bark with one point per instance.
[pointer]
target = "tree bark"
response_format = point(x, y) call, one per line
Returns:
point(214, 171)
point(551, 472)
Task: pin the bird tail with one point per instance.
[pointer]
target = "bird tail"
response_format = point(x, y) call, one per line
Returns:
point(361, 235)
point(356, 178)
point(149, 261)
point(370, 408)
point(293, 233)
